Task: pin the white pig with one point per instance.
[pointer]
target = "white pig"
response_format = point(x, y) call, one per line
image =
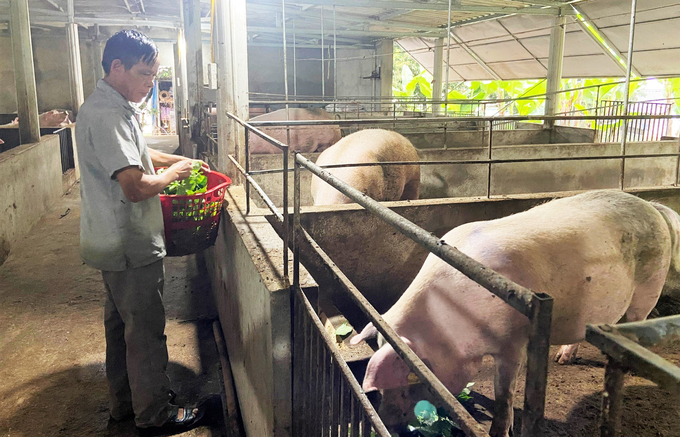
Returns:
point(382, 183)
point(601, 255)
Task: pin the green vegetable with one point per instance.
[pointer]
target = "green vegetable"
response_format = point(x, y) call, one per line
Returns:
point(464, 396)
point(196, 183)
point(432, 422)
point(343, 330)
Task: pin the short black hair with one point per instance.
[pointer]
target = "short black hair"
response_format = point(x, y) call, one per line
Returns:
point(130, 47)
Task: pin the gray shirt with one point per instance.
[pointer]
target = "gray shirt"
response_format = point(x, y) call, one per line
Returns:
point(115, 234)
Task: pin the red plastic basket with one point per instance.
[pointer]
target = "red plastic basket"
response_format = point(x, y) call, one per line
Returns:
point(191, 222)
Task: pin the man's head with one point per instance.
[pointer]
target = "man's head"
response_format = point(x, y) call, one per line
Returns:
point(130, 62)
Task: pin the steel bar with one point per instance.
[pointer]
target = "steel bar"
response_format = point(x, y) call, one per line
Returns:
point(448, 66)
point(286, 218)
point(612, 399)
point(347, 375)
point(488, 179)
point(452, 406)
point(258, 189)
point(635, 356)
point(537, 365)
point(247, 146)
point(429, 120)
point(651, 332)
point(323, 71)
point(296, 224)
point(626, 95)
point(335, 58)
point(294, 62)
point(479, 162)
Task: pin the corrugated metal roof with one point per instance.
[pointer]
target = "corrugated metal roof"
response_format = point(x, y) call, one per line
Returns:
point(511, 42)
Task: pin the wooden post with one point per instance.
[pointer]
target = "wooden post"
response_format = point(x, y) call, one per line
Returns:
point(75, 66)
point(97, 54)
point(24, 73)
point(178, 86)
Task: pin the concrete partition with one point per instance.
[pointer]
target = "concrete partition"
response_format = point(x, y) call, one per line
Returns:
point(382, 262)
point(30, 183)
point(253, 301)
point(464, 180)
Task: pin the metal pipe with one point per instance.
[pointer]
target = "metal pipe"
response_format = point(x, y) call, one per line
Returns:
point(247, 141)
point(626, 96)
point(294, 63)
point(479, 162)
point(448, 60)
point(323, 60)
point(335, 59)
point(515, 295)
point(258, 189)
point(430, 120)
point(451, 405)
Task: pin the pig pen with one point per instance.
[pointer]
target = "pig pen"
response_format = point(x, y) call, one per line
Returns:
point(254, 302)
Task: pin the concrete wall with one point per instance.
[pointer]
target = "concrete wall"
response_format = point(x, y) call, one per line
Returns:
point(30, 183)
point(382, 262)
point(353, 65)
point(461, 180)
point(253, 302)
point(51, 71)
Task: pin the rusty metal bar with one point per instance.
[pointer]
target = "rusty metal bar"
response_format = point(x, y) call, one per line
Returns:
point(537, 365)
point(353, 385)
point(452, 406)
point(481, 161)
point(356, 413)
point(644, 362)
point(247, 172)
point(258, 189)
point(296, 223)
point(429, 120)
point(650, 332)
point(345, 411)
point(488, 179)
point(612, 399)
point(515, 295)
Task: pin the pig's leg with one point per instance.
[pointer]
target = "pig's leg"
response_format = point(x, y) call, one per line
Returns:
point(567, 354)
point(507, 367)
point(411, 191)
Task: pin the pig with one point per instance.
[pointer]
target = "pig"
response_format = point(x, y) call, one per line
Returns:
point(382, 183)
point(600, 255)
point(53, 118)
point(303, 139)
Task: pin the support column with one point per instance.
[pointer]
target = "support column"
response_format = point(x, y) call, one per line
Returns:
point(437, 72)
point(232, 60)
point(75, 66)
point(24, 73)
point(97, 52)
point(555, 58)
point(386, 56)
point(178, 90)
point(194, 61)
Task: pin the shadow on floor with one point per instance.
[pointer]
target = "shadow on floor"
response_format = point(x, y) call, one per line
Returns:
point(74, 403)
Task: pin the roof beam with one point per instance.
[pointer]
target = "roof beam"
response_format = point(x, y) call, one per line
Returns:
point(91, 21)
point(53, 3)
point(389, 5)
point(475, 56)
point(601, 39)
point(359, 33)
point(142, 7)
point(127, 5)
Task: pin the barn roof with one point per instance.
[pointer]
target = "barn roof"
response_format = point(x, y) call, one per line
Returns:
point(505, 39)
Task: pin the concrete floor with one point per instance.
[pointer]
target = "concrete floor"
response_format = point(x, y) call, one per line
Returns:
point(52, 336)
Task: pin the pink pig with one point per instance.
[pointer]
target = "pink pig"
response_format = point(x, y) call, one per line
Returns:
point(382, 183)
point(601, 255)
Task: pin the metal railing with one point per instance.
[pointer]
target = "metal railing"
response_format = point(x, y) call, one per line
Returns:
point(626, 347)
point(536, 307)
point(321, 359)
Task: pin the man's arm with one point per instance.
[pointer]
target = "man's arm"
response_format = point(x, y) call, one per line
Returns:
point(138, 186)
point(161, 159)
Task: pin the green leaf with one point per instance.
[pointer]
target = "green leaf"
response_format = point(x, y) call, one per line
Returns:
point(425, 412)
point(343, 330)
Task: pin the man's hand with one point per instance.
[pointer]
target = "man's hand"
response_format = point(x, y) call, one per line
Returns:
point(181, 169)
point(204, 166)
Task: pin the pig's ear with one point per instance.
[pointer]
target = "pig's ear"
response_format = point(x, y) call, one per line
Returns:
point(369, 331)
point(385, 370)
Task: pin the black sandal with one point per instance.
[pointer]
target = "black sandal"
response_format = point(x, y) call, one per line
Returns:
point(174, 425)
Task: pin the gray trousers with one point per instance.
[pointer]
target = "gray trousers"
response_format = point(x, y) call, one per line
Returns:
point(136, 350)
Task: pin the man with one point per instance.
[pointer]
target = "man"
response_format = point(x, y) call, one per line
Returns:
point(121, 234)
